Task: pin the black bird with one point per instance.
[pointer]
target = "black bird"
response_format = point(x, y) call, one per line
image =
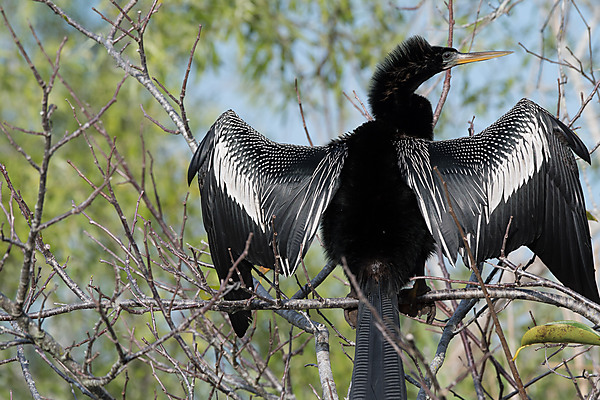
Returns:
point(382, 206)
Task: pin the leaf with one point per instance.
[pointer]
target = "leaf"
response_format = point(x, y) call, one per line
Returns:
point(559, 332)
point(591, 216)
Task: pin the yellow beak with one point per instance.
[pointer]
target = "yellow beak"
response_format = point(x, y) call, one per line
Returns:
point(465, 58)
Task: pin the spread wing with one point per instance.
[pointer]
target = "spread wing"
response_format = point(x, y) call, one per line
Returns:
point(250, 184)
point(522, 166)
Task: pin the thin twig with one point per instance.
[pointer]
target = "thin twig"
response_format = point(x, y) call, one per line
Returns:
point(488, 300)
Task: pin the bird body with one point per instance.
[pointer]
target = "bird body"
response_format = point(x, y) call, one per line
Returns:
point(380, 195)
point(374, 218)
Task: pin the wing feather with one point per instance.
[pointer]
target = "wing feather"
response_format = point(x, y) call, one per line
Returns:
point(250, 184)
point(522, 166)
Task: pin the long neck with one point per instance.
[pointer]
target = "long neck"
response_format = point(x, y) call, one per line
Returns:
point(392, 94)
point(409, 115)
point(418, 119)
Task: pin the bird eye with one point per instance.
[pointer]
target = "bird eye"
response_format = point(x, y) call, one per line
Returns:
point(447, 55)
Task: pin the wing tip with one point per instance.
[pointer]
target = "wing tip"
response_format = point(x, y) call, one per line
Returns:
point(575, 142)
point(194, 165)
point(240, 321)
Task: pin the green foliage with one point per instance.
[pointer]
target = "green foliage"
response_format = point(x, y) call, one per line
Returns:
point(560, 332)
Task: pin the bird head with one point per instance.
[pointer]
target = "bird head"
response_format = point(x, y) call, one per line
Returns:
point(447, 57)
point(409, 65)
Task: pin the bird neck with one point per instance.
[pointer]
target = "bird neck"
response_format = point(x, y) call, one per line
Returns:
point(409, 116)
point(389, 95)
point(397, 77)
point(392, 94)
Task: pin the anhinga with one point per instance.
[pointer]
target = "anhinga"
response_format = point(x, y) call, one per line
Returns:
point(378, 194)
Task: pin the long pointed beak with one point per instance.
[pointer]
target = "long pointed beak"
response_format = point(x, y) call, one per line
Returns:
point(465, 58)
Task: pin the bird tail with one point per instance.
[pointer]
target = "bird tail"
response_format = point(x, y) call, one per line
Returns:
point(378, 372)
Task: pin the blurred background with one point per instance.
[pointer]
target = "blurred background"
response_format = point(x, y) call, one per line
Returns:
point(249, 57)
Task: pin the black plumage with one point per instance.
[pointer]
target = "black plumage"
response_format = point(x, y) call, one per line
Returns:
point(382, 205)
point(250, 184)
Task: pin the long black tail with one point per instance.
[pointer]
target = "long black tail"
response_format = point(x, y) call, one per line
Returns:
point(378, 372)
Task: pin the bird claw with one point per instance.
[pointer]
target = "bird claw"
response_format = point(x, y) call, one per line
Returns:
point(407, 304)
point(351, 314)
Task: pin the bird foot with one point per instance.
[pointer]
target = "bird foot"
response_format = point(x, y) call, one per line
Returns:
point(351, 314)
point(407, 304)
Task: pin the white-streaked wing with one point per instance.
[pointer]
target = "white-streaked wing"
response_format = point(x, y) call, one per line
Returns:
point(523, 167)
point(250, 184)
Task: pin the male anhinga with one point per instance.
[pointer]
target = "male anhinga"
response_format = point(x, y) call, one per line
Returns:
point(382, 206)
